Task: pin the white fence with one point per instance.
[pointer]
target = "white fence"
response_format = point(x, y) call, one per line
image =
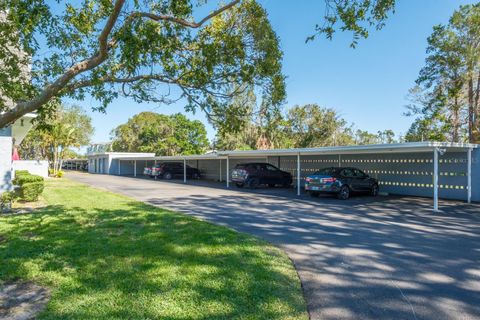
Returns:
point(38, 167)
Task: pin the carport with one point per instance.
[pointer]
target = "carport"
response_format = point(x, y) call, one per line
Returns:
point(425, 169)
point(209, 164)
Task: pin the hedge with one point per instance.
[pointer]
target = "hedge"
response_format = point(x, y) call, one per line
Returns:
point(26, 178)
point(30, 191)
point(29, 186)
point(21, 172)
point(6, 199)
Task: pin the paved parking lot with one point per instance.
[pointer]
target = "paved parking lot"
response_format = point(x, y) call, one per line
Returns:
point(364, 258)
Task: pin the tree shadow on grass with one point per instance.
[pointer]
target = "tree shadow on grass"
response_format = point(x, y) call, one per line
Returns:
point(140, 262)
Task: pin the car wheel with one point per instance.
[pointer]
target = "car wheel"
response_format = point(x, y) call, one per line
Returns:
point(253, 183)
point(271, 185)
point(344, 193)
point(239, 185)
point(167, 176)
point(314, 194)
point(374, 190)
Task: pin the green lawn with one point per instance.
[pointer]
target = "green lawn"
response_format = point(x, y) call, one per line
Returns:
point(106, 256)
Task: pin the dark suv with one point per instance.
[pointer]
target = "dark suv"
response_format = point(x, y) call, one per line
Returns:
point(341, 181)
point(255, 174)
point(170, 170)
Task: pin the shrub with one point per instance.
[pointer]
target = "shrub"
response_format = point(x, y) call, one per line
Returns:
point(29, 186)
point(31, 190)
point(6, 199)
point(26, 178)
point(21, 172)
point(60, 174)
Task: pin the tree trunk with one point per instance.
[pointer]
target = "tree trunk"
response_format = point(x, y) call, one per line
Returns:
point(476, 112)
point(456, 121)
point(471, 111)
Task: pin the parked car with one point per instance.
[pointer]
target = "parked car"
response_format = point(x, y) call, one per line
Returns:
point(342, 181)
point(255, 174)
point(170, 170)
point(147, 171)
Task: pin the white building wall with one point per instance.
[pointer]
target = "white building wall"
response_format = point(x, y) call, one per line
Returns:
point(38, 167)
point(5, 163)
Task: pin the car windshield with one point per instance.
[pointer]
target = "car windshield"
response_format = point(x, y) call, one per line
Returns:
point(326, 171)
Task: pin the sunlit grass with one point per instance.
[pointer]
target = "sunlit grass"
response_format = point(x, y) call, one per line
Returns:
point(105, 256)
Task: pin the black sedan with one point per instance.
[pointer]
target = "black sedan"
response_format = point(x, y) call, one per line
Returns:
point(170, 170)
point(342, 181)
point(255, 174)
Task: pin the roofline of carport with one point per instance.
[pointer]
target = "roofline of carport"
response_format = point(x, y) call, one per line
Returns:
point(173, 158)
point(364, 149)
point(373, 148)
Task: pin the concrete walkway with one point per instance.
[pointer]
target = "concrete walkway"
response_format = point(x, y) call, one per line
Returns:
point(364, 258)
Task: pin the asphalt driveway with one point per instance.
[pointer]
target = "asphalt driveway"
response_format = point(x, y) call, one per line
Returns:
point(364, 258)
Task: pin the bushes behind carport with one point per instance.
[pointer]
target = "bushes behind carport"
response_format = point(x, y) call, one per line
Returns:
point(30, 186)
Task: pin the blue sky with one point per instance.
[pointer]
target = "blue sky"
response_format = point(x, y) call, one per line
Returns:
point(367, 85)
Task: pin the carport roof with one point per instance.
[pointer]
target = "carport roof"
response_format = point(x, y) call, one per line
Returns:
point(174, 158)
point(409, 147)
point(373, 148)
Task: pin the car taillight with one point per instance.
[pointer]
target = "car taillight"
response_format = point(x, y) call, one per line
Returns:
point(329, 179)
point(307, 179)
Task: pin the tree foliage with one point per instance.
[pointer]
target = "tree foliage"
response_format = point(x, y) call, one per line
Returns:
point(355, 16)
point(148, 50)
point(362, 137)
point(314, 126)
point(164, 135)
point(307, 126)
point(52, 139)
point(447, 96)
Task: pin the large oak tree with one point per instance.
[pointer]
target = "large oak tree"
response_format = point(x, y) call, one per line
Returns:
point(165, 135)
point(150, 50)
point(147, 50)
point(448, 102)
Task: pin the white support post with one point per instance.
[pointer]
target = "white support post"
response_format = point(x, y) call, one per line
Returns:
point(184, 170)
point(220, 172)
point(298, 174)
point(119, 165)
point(134, 168)
point(227, 173)
point(435, 180)
point(154, 164)
point(469, 175)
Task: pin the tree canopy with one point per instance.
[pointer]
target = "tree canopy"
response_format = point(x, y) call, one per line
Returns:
point(355, 16)
point(148, 50)
point(162, 134)
point(313, 126)
point(151, 50)
point(446, 100)
point(306, 126)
